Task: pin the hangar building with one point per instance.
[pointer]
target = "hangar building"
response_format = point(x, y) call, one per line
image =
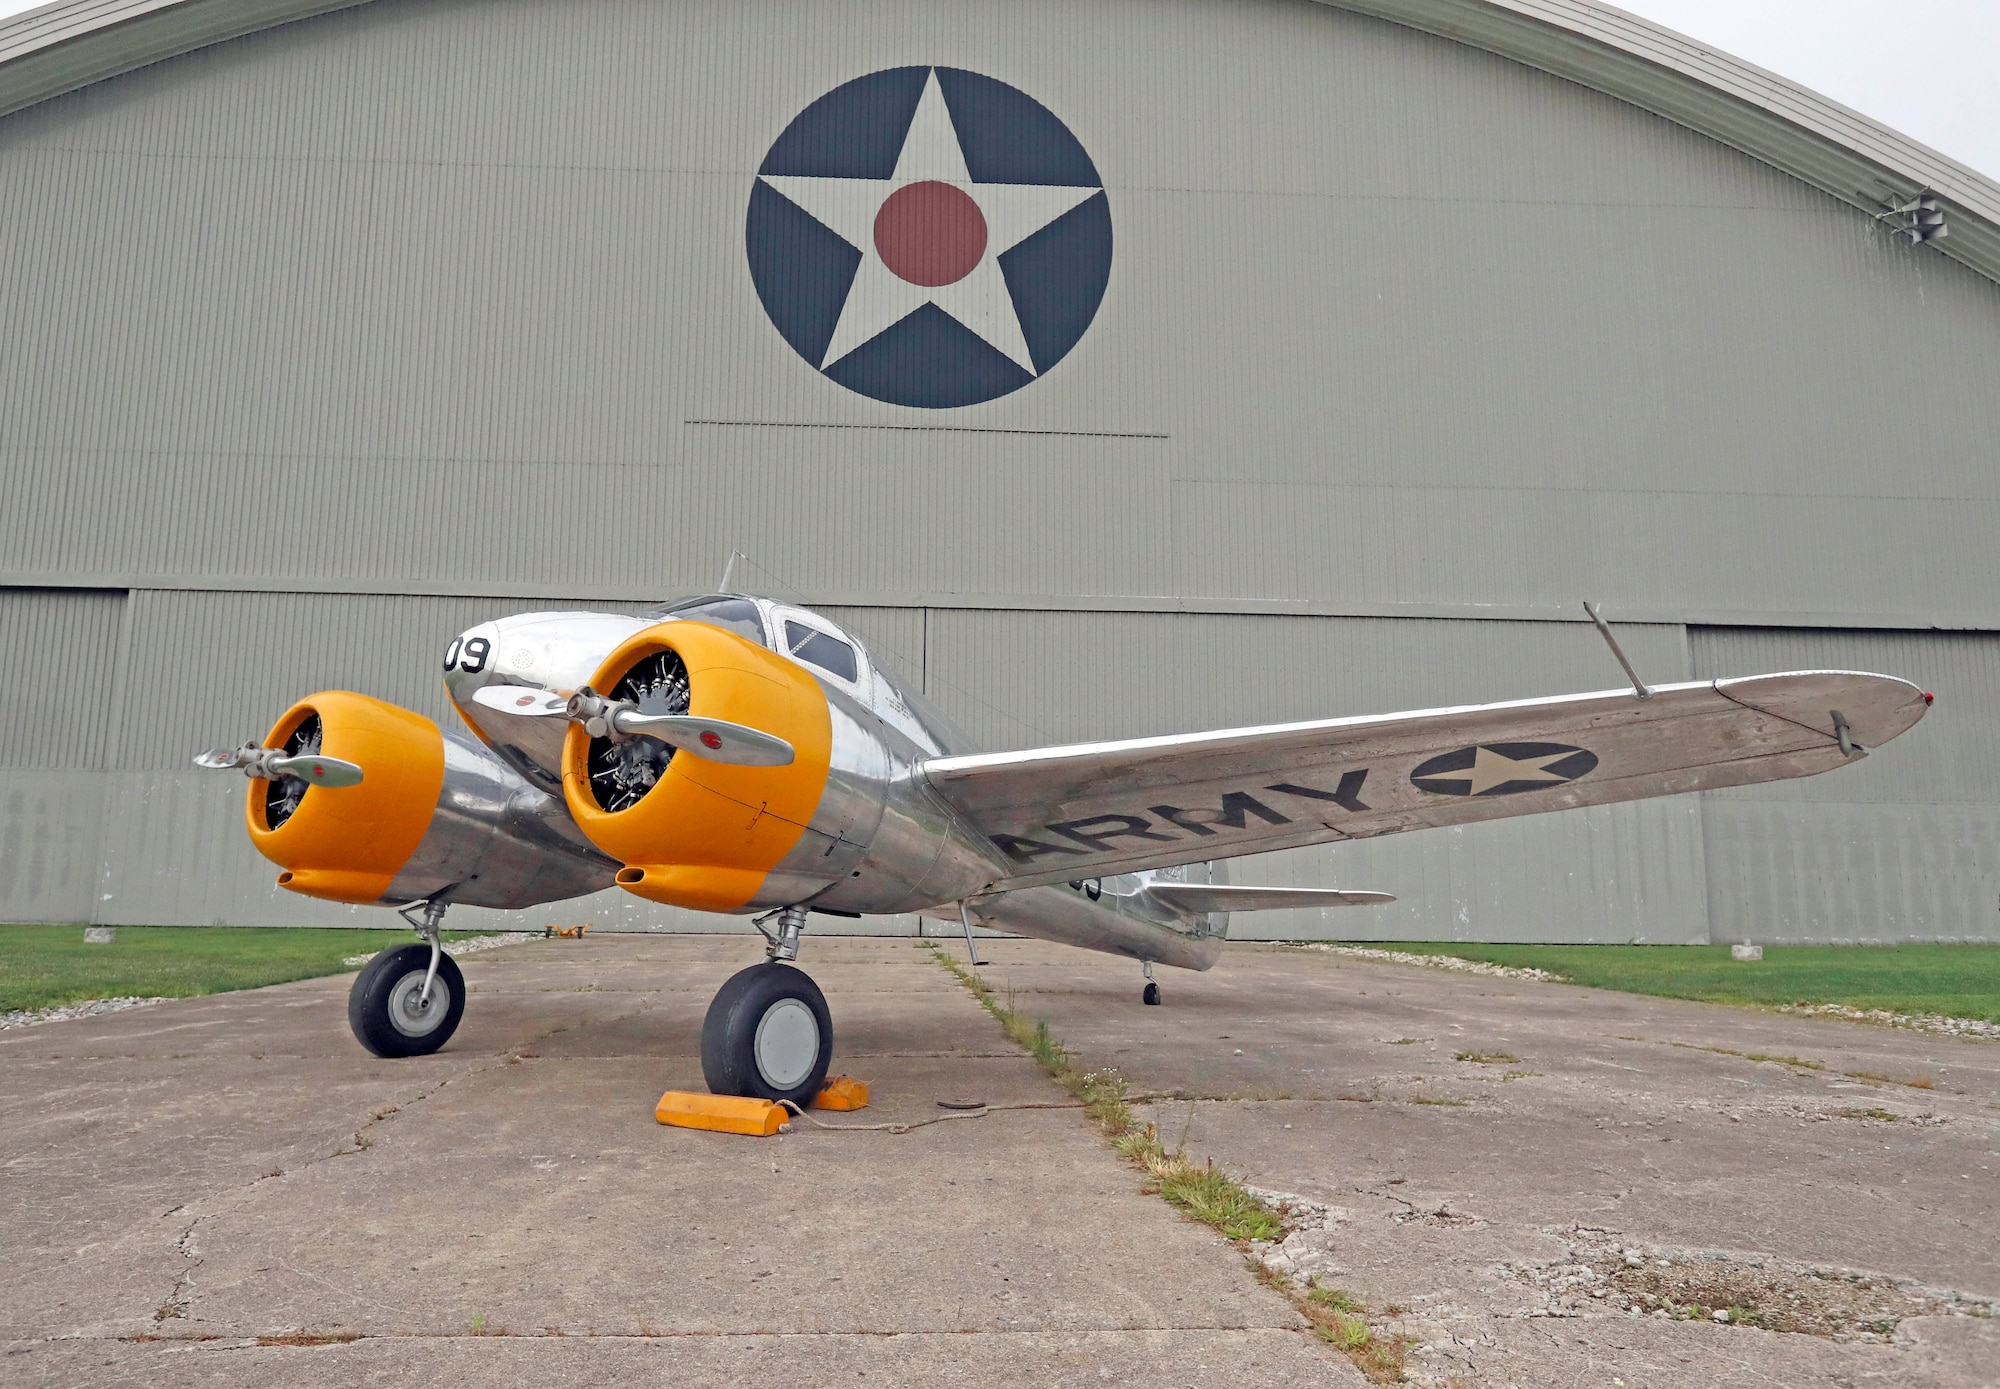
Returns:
point(1337, 353)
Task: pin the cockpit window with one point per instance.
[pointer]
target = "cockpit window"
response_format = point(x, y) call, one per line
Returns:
point(739, 615)
point(815, 647)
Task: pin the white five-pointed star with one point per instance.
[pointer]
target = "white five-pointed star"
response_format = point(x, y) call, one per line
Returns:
point(879, 298)
point(1490, 769)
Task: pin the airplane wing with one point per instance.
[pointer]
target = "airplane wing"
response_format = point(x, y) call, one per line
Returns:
point(1194, 898)
point(1099, 808)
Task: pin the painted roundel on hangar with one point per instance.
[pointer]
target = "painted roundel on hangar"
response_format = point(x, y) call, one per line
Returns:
point(929, 237)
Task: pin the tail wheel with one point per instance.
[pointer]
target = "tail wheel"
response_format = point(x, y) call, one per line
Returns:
point(387, 1009)
point(767, 1035)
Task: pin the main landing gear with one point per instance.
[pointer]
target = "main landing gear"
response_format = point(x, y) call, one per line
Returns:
point(1150, 995)
point(768, 1034)
point(408, 1001)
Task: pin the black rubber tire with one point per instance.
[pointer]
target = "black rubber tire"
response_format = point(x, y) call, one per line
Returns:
point(371, 1003)
point(1151, 994)
point(729, 1033)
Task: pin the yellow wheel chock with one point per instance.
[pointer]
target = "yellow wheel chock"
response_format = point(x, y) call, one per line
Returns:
point(688, 1109)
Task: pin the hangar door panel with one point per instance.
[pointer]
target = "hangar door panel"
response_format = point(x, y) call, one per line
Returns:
point(1617, 873)
point(216, 668)
point(1904, 845)
point(61, 645)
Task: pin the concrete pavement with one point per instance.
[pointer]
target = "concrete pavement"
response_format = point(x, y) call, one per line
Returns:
point(228, 1190)
point(1601, 1146)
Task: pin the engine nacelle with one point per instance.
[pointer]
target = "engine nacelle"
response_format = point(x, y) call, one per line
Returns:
point(435, 814)
point(693, 832)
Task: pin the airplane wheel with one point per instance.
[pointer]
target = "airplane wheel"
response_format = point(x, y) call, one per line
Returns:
point(386, 1010)
point(1152, 994)
point(767, 1035)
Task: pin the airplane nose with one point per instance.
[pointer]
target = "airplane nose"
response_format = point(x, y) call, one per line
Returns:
point(469, 658)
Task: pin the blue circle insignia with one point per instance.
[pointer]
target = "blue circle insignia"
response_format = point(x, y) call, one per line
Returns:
point(929, 237)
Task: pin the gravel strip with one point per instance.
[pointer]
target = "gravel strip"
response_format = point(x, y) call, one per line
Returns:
point(89, 1008)
point(1453, 962)
point(1933, 1023)
point(1914, 1022)
point(457, 949)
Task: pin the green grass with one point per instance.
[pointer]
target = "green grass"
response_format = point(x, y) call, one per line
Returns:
point(43, 966)
point(1959, 981)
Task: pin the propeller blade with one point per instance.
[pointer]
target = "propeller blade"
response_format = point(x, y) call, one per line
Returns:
point(269, 764)
point(514, 699)
point(315, 770)
point(712, 739)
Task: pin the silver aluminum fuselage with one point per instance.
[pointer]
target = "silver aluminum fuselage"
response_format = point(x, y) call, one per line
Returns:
point(880, 842)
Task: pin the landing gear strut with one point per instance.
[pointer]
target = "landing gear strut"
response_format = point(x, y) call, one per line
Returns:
point(1150, 995)
point(408, 1001)
point(768, 1033)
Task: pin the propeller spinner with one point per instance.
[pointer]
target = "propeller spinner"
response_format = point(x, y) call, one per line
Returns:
point(717, 740)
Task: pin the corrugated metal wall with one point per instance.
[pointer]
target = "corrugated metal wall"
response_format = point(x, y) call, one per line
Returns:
point(1903, 846)
point(319, 331)
point(65, 671)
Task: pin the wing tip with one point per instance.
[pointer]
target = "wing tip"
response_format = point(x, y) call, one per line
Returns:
point(1876, 707)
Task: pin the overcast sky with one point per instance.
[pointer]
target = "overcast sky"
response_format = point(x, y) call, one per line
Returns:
point(1929, 68)
point(1926, 67)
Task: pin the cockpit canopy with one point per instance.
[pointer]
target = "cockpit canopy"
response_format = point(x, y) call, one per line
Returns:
point(806, 637)
point(812, 640)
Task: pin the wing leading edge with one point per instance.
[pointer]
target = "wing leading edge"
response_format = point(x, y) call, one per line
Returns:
point(1195, 898)
point(1097, 808)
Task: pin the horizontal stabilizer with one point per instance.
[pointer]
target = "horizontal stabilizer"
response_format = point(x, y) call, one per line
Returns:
point(1202, 897)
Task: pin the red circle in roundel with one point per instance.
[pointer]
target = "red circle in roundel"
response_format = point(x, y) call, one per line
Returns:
point(930, 233)
point(709, 739)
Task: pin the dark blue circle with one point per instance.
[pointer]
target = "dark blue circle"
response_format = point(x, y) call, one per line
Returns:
point(802, 270)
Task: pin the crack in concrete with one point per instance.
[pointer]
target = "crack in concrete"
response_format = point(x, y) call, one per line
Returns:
point(179, 1300)
point(310, 1340)
point(1602, 1275)
point(178, 1304)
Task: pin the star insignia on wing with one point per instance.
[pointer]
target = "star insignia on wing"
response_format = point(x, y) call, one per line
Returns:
point(1490, 769)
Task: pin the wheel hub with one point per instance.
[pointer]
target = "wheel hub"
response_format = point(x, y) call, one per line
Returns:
point(787, 1043)
point(411, 1013)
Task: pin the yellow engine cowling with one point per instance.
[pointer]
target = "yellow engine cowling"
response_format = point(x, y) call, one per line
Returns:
point(706, 834)
point(348, 845)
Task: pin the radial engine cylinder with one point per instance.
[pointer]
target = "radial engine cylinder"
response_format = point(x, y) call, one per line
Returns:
point(435, 815)
point(693, 832)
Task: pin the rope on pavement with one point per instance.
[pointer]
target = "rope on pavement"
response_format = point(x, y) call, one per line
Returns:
point(979, 1113)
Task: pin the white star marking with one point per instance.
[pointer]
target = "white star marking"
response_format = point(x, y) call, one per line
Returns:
point(879, 298)
point(1490, 769)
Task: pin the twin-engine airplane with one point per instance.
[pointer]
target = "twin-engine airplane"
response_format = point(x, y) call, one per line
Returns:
point(733, 754)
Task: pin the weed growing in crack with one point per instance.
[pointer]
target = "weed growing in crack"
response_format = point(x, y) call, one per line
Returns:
point(1913, 1082)
point(1200, 1190)
point(1340, 1320)
point(1486, 1058)
point(1796, 1062)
